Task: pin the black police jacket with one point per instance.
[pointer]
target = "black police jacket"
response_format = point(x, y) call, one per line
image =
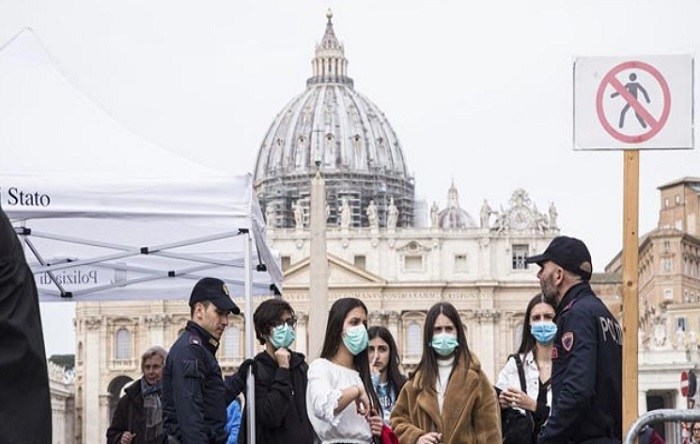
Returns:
point(280, 402)
point(25, 398)
point(194, 396)
point(586, 371)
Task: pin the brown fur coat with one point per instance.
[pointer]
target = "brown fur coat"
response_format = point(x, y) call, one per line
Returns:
point(470, 413)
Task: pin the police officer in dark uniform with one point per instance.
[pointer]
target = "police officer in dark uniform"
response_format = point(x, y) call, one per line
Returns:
point(587, 353)
point(25, 396)
point(194, 395)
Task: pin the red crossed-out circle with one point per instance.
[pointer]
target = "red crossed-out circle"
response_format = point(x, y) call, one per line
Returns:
point(654, 125)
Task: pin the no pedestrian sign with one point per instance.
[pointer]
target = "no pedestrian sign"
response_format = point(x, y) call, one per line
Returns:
point(643, 102)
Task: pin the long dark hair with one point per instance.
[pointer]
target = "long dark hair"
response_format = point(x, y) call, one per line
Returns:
point(527, 343)
point(428, 361)
point(396, 379)
point(334, 334)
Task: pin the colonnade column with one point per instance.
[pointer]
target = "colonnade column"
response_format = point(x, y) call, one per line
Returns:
point(91, 392)
point(393, 318)
point(302, 341)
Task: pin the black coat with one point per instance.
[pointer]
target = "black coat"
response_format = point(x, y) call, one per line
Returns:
point(280, 402)
point(129, 416)
point(25, 397)
point(194, 396)
point(586, 371)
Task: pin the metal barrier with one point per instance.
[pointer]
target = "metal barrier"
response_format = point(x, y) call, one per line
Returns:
point(662, 415)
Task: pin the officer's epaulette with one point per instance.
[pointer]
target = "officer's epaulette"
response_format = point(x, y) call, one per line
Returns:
point(194, 338)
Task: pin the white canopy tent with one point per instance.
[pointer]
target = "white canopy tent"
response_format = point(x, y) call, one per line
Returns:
point(106, 215)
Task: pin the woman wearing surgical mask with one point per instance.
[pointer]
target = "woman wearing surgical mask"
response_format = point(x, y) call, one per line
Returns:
point(385, 365)
point(535, 353)
point(342, 405)
point(449, 399)
point(280, 379)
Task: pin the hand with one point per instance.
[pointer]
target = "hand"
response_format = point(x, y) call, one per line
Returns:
point(430, 438)
point(375, 422)
point(362, 401)
point(242, 371)
point(374, 365)
point(517, 399)
point(282, 355)
point(127, 438)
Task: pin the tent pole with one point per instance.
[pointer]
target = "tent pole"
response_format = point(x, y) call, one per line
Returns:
point(249, 337)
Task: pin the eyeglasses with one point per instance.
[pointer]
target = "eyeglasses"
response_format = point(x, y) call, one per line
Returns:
point(696, 429)
point(292, 322)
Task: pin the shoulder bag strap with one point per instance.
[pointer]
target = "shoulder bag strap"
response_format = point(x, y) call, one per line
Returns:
point(523, 385)
point(521, 372)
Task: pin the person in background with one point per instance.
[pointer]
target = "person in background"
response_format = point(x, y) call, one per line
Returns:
point(694, 438)
point(587, 352)
point(25, 397)
point(342, 405)
point(649, 436)
point(385, 365)
point(280, 379)
point(448, 399)
point(194, 394)
point(535, 353)
point(138, 418)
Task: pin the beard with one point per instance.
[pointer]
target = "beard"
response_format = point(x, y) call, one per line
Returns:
point(549, 290)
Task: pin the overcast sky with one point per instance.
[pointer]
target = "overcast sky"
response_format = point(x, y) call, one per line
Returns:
point(479, 93)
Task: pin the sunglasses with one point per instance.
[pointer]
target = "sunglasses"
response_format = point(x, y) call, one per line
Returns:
point(696, 429)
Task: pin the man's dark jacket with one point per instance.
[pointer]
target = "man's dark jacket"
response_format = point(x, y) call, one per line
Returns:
point(280, 402)
point(25, 398)
point(129, 416)
point(586, 372)
point(194, 397)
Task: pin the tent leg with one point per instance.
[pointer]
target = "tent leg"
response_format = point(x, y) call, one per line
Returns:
point(249, 337)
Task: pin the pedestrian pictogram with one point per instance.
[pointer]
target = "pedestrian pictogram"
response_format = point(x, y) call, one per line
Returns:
point(628, 97)
point(632, 87)
point(642, 102)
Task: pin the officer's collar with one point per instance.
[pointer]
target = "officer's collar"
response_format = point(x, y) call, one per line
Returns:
point(571, 296)
point(210, 341)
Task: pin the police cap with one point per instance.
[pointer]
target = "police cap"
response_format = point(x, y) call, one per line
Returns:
point(216, 291)
point(569, 253)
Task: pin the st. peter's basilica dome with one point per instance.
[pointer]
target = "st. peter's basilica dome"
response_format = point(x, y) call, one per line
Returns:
point(332, 127)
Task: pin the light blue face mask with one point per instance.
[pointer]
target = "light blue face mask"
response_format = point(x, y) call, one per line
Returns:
point(544, 332)
point(356, 339)
point(282, 336)
point(444, 344)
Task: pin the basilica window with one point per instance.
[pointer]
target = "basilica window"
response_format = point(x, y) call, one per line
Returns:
point(668, 294)
point(122, 350)
point(360, 261)
point(460, 263)
point(414, 340)
point(232, 343)
point(520, 253)
point(413, 262)
point(681, 324)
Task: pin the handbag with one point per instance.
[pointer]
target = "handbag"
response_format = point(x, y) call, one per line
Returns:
point(517, 427)
point(388, 435)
